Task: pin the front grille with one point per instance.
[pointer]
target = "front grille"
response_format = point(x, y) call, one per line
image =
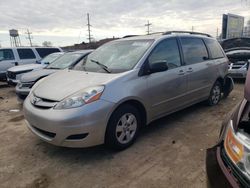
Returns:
point(241, 178)
point(46, 133)
point(42, 103)
point(237, 65)
point(11, 75)
point(26, 85)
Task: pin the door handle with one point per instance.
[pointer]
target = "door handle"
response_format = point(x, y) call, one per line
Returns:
point(181, 72)
point(190, 70)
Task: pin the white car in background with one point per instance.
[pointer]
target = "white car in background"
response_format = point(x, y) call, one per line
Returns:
point(14, 74)
point(13, 56)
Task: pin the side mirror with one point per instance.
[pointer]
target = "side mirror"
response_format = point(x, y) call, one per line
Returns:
point(46, 63)
point(158, 66)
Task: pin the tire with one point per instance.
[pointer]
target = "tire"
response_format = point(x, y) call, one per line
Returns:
point(123, 127)
point(215, 94)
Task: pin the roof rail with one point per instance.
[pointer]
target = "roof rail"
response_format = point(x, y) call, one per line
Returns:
point(127, 36)
point(188, 32)
point(156, 33)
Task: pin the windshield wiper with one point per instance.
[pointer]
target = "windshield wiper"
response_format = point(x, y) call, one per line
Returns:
point(104, 67)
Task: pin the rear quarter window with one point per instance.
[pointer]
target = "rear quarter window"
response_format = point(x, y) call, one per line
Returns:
point(46, 51)
point(214, 49)
point(26, 54)
point(6, 54)
point(194, 50)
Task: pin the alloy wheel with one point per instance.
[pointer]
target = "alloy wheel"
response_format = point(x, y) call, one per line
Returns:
point(126, 128)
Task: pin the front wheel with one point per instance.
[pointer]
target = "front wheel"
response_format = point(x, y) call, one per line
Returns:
point(123, 127)
point(215, 94)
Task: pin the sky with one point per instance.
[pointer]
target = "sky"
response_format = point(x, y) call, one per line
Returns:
point(63, 22)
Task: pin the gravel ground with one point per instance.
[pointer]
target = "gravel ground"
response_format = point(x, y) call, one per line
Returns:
point(169, 153)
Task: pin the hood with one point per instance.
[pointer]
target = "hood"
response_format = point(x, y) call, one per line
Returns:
point(20, 68)
point(65, 83)
point(36, 75)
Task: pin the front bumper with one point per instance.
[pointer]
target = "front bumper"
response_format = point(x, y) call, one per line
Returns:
point(12, 81)
point(3, 76)
point(22, 93)
point(237, 73)
point(77, 127)
point(221, 172)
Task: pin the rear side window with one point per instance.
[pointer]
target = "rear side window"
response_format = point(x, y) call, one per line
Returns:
point(214, 48)
point(194, 50)
point(46, 51)
point(6, 54)
point(168, 51)
point(26, 54)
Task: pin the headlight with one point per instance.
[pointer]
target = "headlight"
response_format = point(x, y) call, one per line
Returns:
point(81, 98)
point(236, 151)
point(233, 146)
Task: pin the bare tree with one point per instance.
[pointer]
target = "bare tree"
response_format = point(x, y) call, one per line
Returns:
point(47, 44)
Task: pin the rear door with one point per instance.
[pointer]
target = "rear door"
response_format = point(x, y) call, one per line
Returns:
point(219, 63)
point(199, 68)
point(26, 56)
point(7, 60)
point(166, 89)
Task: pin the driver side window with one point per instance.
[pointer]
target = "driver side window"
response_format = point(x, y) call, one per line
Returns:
point(166, 51)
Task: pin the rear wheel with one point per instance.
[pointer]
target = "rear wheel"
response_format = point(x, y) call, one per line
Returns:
point(123, 126)
point(215, 94)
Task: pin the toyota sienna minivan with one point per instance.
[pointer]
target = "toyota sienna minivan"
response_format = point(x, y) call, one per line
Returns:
point(124, 85)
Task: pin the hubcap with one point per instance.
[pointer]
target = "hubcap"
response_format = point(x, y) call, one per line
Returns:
point(216, 94)
point(126, 128)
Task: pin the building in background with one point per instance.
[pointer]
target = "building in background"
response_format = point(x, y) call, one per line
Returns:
point(246, 32)
point(232, 26)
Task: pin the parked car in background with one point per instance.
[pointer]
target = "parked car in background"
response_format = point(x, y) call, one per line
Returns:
point(14, 74)
point(14, 56)
point(65, 61)
point(124, 85)
point(238, 53)
point(228, 162)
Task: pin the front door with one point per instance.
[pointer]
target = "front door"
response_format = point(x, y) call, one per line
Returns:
point(166, 89)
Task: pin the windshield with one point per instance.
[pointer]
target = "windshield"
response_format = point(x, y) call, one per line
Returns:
point(65, 61)
point(115, 57)
point(49, 58)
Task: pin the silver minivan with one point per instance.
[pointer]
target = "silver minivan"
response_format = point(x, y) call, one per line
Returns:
point(124, 85)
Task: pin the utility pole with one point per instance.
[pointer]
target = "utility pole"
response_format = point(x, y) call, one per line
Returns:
point(192, 28)
point(217, 33)
point(148, 25)
point(89, 35)
point(29, 36)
